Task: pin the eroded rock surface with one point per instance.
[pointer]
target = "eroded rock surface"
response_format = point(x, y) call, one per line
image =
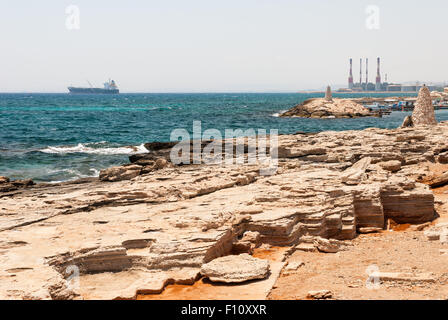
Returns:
point(328, 107)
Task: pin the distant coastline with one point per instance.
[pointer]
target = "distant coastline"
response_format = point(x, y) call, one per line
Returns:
point(396, 93)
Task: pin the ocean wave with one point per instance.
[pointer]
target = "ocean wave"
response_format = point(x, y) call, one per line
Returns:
point(75, 175)
point(87, 148)
point(279, 113)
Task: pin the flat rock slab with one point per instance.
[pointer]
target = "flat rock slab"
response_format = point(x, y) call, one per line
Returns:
point(236, 269)
point(399, 276)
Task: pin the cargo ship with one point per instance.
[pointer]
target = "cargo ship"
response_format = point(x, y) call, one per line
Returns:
point(110, 87)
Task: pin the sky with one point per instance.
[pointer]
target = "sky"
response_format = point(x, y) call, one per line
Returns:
point(218, 46)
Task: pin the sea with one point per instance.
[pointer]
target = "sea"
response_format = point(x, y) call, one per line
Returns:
point(62, 137)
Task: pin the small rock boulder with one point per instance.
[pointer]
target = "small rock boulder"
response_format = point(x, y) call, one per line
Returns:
point(4, 179)
point(320, 295)
point(293, 266)
point(438, 232)
point(443, 157)
point(356, 173)
point(432, 235)
point(156, 146)
point(150, 166)
point(392, 165)
point(247, 244)
point(326, 245)
point(407, 122)
point(365, 230)
point(439, 181)
point(6, 185)
point(236, 269)
point(120, 173)
point(23, 183)
point(160, 164)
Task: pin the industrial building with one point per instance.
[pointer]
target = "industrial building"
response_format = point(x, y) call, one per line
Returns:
point(365, 85)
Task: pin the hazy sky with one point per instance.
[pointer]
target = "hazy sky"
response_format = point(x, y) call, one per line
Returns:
point(209, 45)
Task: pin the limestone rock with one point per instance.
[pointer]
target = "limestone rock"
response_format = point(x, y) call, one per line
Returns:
point(407, 122)
point(160, 163)
point(23, 183)
point(307, 247)
point(439, 181)
point(120, 173)
point(421, 227)
point(432, 235)
point(156, 146)
point(413, 204)
point(145, 159)
point(249, 241)
point(320, 294)
point(356, 173)
point(392, 166)
point(294, 265)
point(4, 179)
point(6, 185)
point(367, 230)
point(162, 227)
point(423, 113)
point(324, 108)
point(300, 152)
point(326, 245)
point(236, 269)
point(406, 277)
point(438, 232)
point(443, 157)
point(151, 165)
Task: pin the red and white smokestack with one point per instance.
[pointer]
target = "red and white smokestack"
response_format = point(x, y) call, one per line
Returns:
point(378, 76)
point(350, 76)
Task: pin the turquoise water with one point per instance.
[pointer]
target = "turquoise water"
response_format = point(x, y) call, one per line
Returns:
point(59, 137)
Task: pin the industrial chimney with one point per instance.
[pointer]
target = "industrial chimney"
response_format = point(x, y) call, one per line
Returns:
point(378, 77)
point(350, 77)
point(360, 73)
point(367, 74)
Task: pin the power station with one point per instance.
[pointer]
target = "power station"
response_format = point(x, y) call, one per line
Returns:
point(366, 85)
point(378, 86)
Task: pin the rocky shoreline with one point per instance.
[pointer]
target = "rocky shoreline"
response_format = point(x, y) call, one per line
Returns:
point(139, 230)
point(153, 223)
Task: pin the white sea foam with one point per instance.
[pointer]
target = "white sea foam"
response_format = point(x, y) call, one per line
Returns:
point(75, 174)
point(85, 148)
point(279, 113)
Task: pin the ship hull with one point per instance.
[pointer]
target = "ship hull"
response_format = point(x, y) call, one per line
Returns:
point(74, 90)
